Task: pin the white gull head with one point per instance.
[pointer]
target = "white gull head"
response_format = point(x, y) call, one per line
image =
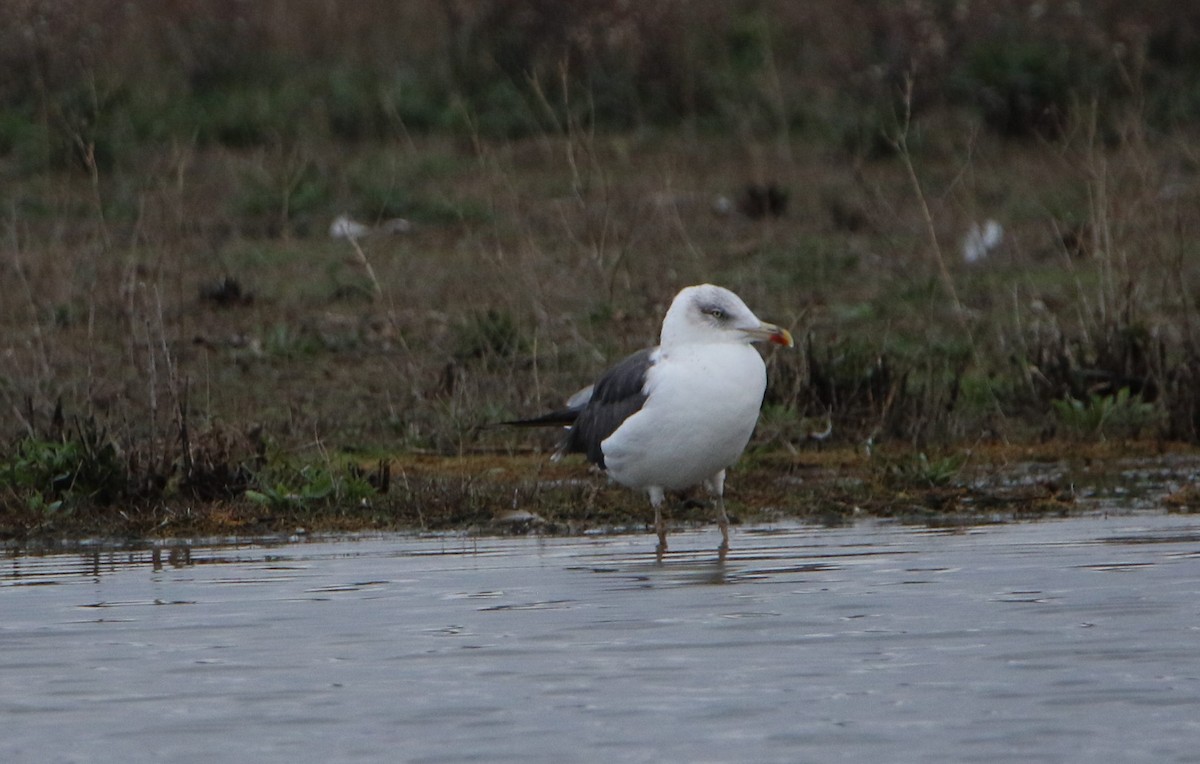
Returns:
point(708, 314)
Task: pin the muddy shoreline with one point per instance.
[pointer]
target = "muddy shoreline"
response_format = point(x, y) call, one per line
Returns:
point(488, 493)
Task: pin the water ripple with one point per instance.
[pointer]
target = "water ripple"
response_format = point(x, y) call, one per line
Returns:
point(1050, 641)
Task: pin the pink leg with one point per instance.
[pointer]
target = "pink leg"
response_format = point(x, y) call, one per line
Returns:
point(716, 486)
point(660, 525)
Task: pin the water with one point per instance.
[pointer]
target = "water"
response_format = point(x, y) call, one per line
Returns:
point(1075, 640)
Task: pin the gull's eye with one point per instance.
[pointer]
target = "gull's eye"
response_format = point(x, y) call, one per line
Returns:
point(716, 313)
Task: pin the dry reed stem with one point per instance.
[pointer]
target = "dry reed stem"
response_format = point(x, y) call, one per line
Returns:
point(900, 143)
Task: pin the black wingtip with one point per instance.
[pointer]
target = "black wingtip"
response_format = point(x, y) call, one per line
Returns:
point(560, 418)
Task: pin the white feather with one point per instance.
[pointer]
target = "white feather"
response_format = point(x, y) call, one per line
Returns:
point(701, 407)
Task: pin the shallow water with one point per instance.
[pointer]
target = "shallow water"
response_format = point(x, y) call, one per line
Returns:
point(1071, 640)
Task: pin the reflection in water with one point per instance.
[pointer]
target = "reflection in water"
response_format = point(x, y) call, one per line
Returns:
point(1055, 641)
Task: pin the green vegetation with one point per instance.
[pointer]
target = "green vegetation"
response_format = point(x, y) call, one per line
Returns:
point(1121, 415)
point(56, 475)
point(89, 84)
point(918, 470)
point(310, 488)
point(488, 334)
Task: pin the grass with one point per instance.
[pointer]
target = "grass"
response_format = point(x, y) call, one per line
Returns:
point(461, 323)
point(548, 235)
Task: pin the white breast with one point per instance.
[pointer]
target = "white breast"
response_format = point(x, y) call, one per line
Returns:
point(702, 405)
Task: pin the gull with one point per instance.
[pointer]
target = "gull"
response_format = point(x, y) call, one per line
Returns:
point(678, 414)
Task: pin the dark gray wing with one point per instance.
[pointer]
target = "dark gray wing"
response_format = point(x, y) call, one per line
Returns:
point(615, 397)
